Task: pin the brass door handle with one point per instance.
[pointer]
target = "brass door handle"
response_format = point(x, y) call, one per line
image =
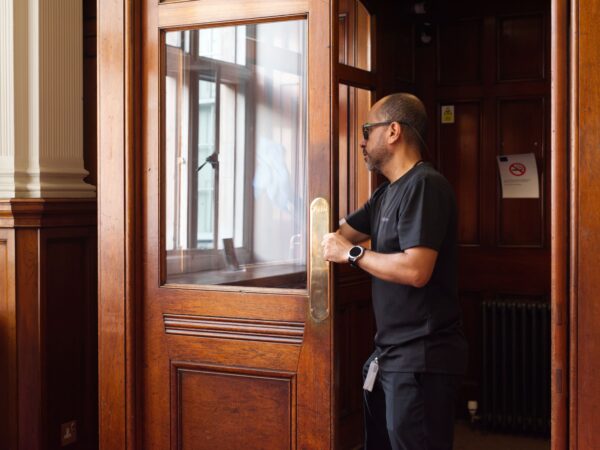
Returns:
point(318, 276)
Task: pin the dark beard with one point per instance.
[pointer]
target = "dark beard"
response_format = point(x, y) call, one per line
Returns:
point(374, 164)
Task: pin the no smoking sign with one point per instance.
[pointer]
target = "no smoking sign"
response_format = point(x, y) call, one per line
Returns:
point(517, 169)
point(519, 176)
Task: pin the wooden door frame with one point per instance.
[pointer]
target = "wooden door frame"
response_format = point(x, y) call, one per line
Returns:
point(559, 213)
point(118, 212)
point(119, 191)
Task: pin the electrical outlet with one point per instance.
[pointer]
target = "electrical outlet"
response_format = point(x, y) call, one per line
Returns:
point(68, 433)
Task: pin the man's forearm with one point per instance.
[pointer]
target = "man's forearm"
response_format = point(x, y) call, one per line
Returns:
point(394, 267)
point(412, 267)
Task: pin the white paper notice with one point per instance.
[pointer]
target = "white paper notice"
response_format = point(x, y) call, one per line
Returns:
point(519, 176)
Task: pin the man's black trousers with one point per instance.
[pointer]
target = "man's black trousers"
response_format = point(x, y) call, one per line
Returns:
point(410, 411)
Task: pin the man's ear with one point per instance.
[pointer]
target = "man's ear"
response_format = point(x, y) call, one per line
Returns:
point(394, 132)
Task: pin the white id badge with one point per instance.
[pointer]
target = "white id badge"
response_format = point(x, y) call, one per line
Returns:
point(371, 375)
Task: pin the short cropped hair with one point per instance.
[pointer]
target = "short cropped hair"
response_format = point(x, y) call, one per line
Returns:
point(406, 109)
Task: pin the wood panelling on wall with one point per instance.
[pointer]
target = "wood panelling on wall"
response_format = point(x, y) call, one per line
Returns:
point(461, 159)
point(50, 323)
point(8, 340)
point(521, 48)
point(522, 129)
point(48, 318)
point(459, 52)
point(490, 63)
point(472, 328)
point(396, 49)
point(30, 338)
point(69, 286)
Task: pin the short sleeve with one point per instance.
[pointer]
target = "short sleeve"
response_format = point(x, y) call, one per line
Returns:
point(360, 219)
point(425, 214)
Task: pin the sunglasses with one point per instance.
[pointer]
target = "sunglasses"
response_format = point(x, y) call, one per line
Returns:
point(367, 126)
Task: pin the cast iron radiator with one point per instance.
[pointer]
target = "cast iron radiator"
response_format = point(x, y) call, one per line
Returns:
point(516, 366)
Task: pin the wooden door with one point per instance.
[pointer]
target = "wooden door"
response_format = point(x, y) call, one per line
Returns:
point(236, 330)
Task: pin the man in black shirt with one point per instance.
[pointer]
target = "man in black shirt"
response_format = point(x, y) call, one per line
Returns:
point(411, 380)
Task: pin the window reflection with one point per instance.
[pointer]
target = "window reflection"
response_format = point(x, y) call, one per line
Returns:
point(235, 155)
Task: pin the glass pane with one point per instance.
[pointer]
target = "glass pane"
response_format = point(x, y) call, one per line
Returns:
point(235, 155)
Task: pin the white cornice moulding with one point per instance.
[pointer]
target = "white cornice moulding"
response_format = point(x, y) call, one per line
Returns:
point(41, 91)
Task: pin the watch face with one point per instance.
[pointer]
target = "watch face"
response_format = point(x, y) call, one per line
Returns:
point(355, 251)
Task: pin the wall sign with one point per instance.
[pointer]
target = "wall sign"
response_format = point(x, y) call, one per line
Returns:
point(519, 176)
point(447, 113)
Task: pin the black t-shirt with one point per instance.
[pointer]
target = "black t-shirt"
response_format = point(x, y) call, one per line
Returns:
point(418, 329)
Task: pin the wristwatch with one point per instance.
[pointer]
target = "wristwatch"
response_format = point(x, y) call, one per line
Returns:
point(354, 254)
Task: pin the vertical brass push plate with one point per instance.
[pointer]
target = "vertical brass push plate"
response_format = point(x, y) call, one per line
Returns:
point(318, 268)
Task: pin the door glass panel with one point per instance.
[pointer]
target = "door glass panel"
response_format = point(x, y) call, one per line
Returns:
point(235, 169)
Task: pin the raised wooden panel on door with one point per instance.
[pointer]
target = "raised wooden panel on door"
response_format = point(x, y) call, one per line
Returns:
point(343, 38)
point(521, 129)
point(354, 339)
point(395, 50)
point(460, 158)
point(459, 52)
point(404, 49)
point(342, 359)
point(517, 270)
point(235, 351)
point(347, 19)
point(354, 177)
point(344, 142)
point(521, 48)
point(361, 188)
point(355, 335)
point(231, 409)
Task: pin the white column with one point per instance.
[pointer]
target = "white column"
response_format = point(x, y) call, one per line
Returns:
point(41, 99)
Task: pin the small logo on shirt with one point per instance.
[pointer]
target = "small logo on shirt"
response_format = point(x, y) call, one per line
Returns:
point(384, 219)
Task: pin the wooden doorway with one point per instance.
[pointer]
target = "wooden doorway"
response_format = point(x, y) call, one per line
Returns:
point(129, 202)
